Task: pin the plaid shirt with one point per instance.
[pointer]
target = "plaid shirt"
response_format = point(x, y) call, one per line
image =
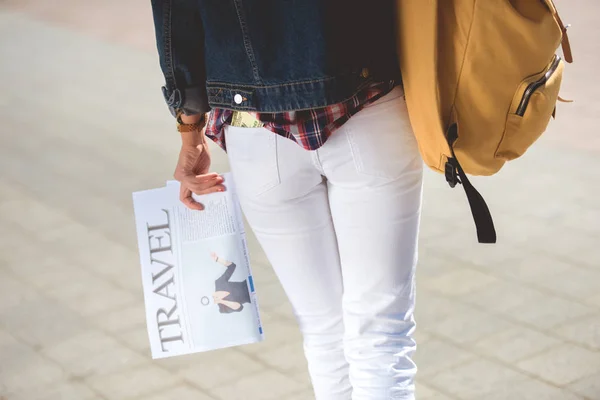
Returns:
point(309, 128)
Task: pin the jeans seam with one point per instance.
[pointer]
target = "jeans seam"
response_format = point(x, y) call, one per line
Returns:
point(231, 85)
point(169, 64)
point(246, 38)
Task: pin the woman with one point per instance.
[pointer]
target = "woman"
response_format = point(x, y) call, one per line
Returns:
point(329, 177)
point(229, 296)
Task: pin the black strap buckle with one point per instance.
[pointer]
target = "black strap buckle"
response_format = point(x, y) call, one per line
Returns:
point(451, 172)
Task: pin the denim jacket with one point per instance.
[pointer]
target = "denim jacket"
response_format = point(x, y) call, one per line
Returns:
point(271, 55)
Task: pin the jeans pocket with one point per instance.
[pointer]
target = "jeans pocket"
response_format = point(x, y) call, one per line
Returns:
point(252, 154)
point(382, 141)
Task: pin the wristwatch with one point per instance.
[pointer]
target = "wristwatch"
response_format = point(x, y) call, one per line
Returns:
point(183, 127)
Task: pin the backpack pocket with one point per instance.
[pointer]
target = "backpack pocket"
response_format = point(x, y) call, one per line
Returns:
point(530, 111)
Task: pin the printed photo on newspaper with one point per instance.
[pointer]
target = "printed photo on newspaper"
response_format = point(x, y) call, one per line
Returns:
point(198, 288)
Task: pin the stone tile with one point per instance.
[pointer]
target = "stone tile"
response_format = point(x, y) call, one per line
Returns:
point(515, 344)
point(431, 307)
point(42, 322)
point(88, 299)
point(40, 215)
point(302, 377)
point(83, 344)
point(178, 363)
point(93, 353)
point(431, 229)
point(465, 325)
point(6, 339)
point(585, 331)
point(285, 358)
point(594, 300)
point(532, 267)
point(519, 231)
point(421, 336)
point(476, 380)
point(137, 339)
point(85, 284)
point(52, 272)
point(548, 311)
point(22, 369)
point(473, 253)
point(305, 395)
point(588, 387)
point(589, 256)
point(459, 282)
point(61, 391)
point(502, 296)
point(584, 219)
point(120, 359)
point(254, 387)
point(531, 390)
point(18, 250)
point(562, 365)
point(92, 250)
point(577, 283)
point(9, 192)
point(132, 383)
point(568, 243)
point(14, 292)
point(21, 257)
point(219, 367)
point(425, 392)
point(121, 320)
point(180, 393)
point(431, 265)
point(436, 356)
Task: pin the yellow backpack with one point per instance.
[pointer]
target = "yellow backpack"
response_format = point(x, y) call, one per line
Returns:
point(481, 79)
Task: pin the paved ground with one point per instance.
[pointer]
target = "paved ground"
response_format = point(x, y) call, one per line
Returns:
point(82, 125)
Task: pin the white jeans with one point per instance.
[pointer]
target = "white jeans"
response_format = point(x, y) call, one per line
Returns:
point(340, 225)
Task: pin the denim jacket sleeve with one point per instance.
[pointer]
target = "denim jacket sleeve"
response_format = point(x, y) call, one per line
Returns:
point(180, 43)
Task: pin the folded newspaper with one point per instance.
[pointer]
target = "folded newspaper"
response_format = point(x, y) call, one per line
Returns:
point(198, 288)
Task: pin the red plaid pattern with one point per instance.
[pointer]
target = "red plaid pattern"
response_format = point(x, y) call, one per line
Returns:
point(309, 128)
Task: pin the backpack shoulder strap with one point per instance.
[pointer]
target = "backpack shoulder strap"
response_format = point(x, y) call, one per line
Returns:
point(484, 223)
point(565, 44)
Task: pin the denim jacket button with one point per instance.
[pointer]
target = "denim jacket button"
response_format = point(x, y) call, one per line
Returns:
point(238, 99)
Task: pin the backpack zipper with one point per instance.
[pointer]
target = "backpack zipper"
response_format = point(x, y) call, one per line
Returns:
point(533, 86)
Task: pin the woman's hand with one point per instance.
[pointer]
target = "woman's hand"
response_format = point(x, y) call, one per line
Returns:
point(193, 165)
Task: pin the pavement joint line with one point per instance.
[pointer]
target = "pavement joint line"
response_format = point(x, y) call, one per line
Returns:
point(163, 390)
point(473, 350)
point(67, 374)
point(38, 351)
point(442, 389)
point(66, 257)
point(91, 148)
point(507, 318)
point(486, 271)
point(578, 264)
point(263, 364)
point(499, 362)
point(117, 338)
